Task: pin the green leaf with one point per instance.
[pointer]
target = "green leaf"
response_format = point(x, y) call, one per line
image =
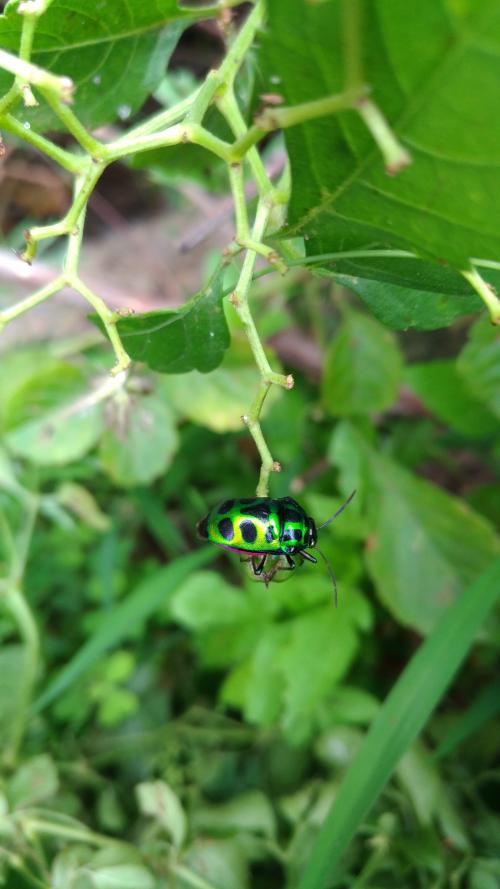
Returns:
point(309, 678)
point(13, 677)
point(115, 53)
point(403, 307)
point(479, 364)
point(405, 272)
point(205, 600)
point(283, 677)
point(58, 438)
point(399, 721)
point(363, 368)
point(220, 863)
point(250, 812)
point(436, 84)
point(158, 800)
point(425, 546)
point(34, 782)
point(483, 708)
point(140, 444)
point(419, 777)
point(47, 420)
point(219, 400)
point(8, 481)
point(175, 341)
point(116, 867)
point(124, 620)
point(446, 394)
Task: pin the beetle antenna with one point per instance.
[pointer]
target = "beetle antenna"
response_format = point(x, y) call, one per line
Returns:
point(328, 521)
point(332, 576)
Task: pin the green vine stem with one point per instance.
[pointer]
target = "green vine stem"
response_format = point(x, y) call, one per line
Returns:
point(184, 124)
point(485, 291)
point(396, 158)
point(15, 602)
point(29, 75)
point(239, 299)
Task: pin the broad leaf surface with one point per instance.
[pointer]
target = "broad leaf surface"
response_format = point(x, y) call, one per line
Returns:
point(115, 53)
point(434, 75)
point(445, 393)
point(363, 368)
point(426, 546)
point(479, 364)
point(403, 307)
point(139, 446)
point(193, 337)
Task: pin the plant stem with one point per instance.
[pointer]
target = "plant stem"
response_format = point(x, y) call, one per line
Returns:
point(280, 118)
point(190, 877)
point(239, 299)
point(243, 237)
point(396, 157)
point(38, 825)
point(172, 136)
point(161, 120)
point(65, 159)
point(240, 205)
point(31, 74)
point(16, 603)
point(108, 319)
point(67, 225)
point(29, 302)
point(485, 291)
point(229, 108)
point(92, 146)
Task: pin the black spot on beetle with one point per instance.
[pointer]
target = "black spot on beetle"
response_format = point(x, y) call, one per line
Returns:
point(203, 527)
point(291, 515)
point(258, 512)
point(248, 532)
point(297, 534)
point(269, 534)
point(225, 507)
point(226, 529)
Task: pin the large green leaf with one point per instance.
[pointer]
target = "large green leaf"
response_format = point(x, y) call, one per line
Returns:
point(434, 75)
point(140, 444)
point(58, 437)
point(403, 307)
point(399, 721)
point(363, 368)
point(445, 393)
point(174, 341)
point(115, 53)
point(479, 364)
point(425, 545)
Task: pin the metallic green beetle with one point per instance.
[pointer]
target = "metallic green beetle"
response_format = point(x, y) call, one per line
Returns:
point(265, 527)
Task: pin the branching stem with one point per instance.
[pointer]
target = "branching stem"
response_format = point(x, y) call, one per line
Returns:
point(239, 298)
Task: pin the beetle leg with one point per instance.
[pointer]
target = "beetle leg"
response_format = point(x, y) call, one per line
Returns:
point(308, 557)
point(258, 569)
point(290, 563)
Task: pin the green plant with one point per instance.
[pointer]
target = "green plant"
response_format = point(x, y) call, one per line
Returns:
point(389, 191)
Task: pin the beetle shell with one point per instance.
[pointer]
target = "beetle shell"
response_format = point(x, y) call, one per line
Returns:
point(259, 525)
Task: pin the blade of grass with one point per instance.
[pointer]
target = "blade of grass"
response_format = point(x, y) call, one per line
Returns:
point(124, 620)
point(399, 721)
point(484, 708)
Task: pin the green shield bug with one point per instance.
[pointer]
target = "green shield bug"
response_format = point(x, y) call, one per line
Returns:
point(265, 530)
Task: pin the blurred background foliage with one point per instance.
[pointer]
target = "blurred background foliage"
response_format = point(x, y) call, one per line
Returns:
point(203, 718)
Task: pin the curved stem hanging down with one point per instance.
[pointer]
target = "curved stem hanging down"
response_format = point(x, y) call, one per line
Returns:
point(239, 299)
